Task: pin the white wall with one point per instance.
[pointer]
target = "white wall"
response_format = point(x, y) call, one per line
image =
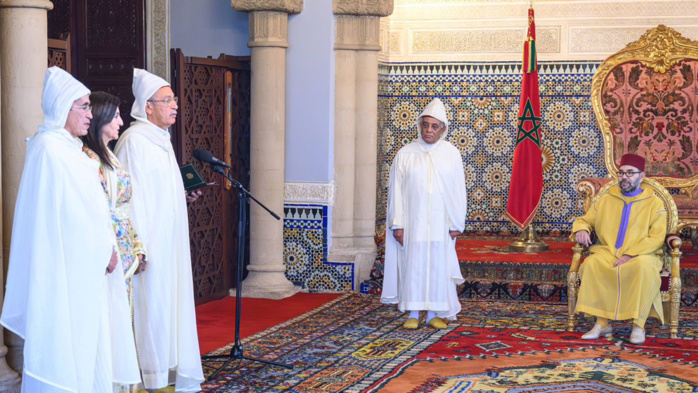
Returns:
point(204, 28)
point(310, 94)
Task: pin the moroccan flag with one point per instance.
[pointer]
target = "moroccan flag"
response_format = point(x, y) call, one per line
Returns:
point(526, 184)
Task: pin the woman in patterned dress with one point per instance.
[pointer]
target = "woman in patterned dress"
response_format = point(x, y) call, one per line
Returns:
point(104, 127)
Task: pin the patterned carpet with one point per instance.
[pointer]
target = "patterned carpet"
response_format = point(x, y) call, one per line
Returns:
point(357, 344)
point(542, 361)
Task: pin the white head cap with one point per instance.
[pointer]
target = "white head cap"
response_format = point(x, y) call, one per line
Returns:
point(60, 91)
point(437, 110)
point(144, 86)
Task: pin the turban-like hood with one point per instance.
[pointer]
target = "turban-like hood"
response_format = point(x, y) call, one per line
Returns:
point(634, 161)
point(144, 86)
point(60, 91)
point(437, 110)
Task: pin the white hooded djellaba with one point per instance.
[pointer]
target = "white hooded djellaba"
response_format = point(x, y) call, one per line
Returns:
point(74, 318)
point(164, 314)
point(426, 198)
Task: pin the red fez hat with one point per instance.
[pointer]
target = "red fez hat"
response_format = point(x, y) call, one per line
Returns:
point(633, 160)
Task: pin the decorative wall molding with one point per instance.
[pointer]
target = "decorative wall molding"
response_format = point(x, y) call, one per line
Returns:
point(503, 9)
point(493, 30)
point(362, 7)
point(604, 39)
point(158, 37)
point(393, 43)
point(507, 40)
point(268, 28)
point(317, 193)
point(357, 33)
point(287, 6)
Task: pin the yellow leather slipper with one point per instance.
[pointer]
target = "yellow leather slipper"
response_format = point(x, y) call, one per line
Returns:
point(437, 323)
point(411, 323)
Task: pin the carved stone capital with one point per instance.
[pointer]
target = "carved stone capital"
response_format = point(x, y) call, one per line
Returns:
point(287, 6)
point(268, 28)
point(45, 4)
point(357, 33)
point(363, 7)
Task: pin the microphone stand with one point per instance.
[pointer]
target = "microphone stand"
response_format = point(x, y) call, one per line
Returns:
point(237, 352)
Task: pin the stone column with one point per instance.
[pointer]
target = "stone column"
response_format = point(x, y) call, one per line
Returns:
point(366, 135)
point(23, 58)
point(344, 148)
point(356, 122)
point(268, 43)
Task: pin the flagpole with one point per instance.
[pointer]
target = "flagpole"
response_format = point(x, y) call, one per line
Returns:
point(529, 241)
point(526, 185)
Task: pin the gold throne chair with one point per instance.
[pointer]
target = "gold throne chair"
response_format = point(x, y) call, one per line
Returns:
point(670, 253)
point(645, 99)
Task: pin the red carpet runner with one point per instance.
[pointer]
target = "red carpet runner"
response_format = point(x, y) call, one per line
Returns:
point(215, 320)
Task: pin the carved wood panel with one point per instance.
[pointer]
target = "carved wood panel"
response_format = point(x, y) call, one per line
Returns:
point(214, 116)
point(59, 19)
point(107, 40)
point(110, 42)
point(113, 25)
point(240, 141)
point(56, 57)
point(59, 53)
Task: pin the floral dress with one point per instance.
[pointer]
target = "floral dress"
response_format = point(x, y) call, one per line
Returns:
point(117, 187)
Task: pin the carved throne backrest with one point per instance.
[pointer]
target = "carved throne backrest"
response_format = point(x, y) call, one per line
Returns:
point(645, 99)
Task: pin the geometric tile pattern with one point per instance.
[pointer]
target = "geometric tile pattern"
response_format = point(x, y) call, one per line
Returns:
point(482, 104)
point(305, 251)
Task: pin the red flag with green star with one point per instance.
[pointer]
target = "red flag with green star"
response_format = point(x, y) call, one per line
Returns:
point(526, 186)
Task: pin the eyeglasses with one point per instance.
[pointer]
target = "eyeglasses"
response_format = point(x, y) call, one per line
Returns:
point(167, 101)
point(433, 126)
point(83, 107)
point(627, 174)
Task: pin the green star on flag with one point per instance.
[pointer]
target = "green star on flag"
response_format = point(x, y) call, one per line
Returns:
point(533, 133)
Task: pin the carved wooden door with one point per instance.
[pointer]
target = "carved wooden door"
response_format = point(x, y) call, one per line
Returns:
point(107, 42)
point(214, 112)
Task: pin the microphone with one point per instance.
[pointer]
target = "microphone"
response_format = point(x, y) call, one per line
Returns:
point(207, 157)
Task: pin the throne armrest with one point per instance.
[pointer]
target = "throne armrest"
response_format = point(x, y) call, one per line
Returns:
point(671, 274)
point(588, 187)
point(577, 252)
point(674, 242)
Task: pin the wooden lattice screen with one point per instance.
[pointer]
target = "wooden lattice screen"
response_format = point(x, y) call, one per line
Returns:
point(214, 115)
point(59, 53)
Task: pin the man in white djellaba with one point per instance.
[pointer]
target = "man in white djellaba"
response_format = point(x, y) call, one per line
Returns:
point(65, 297)
point(427, 206)
point(164, 314)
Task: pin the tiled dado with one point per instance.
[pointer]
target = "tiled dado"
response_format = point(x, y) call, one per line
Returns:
point(482, 103)
point(305, 251)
